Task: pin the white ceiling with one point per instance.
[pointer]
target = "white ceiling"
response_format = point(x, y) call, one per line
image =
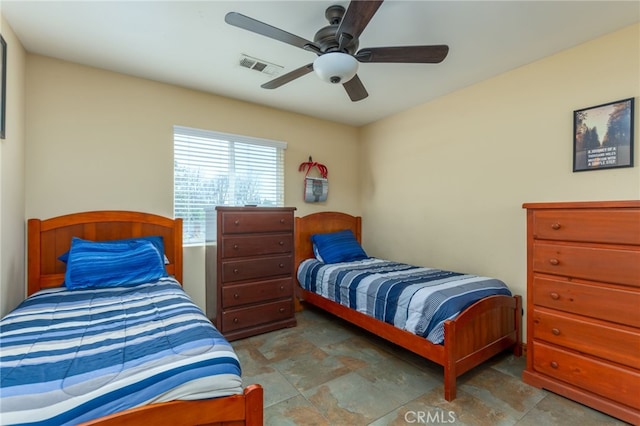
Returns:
point(187, 43)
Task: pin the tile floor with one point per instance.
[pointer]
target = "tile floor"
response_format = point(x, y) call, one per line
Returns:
point(328, 372)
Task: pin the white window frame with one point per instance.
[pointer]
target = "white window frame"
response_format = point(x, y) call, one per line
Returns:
point(208, 168)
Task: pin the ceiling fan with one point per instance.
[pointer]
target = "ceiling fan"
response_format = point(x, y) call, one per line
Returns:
point(337, 47)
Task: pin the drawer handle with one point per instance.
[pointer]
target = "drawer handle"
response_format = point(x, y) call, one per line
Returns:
point(555, 331)
point(281, 243)
point(281, 265)
point(236, 247)
point(235, 271)
point(237, 222)
point(555, 296)
point(554, 261)
point(281, 288)
point(236, 320)
point(554, 364)
point(236, 296)
point(281, 310)
point(555, 226)
point(282, 221)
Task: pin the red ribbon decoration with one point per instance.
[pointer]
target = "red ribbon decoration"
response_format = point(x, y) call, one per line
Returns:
point(310, 165)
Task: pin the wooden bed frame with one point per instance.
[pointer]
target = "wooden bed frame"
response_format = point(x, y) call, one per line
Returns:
point(483, 330)
point(48, 239)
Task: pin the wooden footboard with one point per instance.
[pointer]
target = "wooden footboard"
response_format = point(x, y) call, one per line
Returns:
point(245, 409)
point(483, 330)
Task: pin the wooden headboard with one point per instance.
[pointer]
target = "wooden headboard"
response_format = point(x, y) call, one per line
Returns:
point(48, 239)
point(318, 223)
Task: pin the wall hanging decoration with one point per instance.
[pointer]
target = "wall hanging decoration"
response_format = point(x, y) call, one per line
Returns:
point(603, 136)
point(315, 188)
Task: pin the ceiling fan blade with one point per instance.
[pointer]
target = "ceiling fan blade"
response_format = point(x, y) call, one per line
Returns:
point(355, 19)
point(241, 21)
point(286, 78)
point(405, 54)
point(355, 89)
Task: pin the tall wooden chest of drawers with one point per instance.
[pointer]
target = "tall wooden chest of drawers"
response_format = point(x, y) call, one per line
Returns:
point(583, 303)
point(254, 270)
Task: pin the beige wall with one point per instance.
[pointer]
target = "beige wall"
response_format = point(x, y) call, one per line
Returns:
point(12, 190)
point(101, 140)
point(443, 183)
point(109, 135)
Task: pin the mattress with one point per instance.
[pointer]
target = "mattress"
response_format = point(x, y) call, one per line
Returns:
point(74, 355)
point(412, 298)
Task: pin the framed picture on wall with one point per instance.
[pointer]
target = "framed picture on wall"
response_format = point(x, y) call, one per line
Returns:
point(603, 136)
point(3, 87)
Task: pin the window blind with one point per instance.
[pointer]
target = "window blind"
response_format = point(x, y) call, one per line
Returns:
point(221, 169)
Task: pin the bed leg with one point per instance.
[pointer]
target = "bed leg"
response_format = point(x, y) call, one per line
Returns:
point(517, 348)
point(449, 362)
point(449, 385)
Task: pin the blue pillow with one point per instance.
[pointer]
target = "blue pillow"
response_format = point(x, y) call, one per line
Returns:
point(336, 247)
point(156, 240)
point(110, 264)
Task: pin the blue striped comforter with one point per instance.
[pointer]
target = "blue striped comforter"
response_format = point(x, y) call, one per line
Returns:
point(72, 356)
point(412, 298)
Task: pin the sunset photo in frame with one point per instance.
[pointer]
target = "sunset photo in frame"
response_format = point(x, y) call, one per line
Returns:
point(603, 136)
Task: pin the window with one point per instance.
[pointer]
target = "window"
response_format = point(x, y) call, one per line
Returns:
point(218, 169)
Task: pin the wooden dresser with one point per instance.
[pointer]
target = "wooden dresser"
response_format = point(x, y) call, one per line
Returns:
point(583, 303)
point(254, 271)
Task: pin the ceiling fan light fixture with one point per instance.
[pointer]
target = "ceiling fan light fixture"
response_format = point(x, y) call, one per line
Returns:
point(335, 67)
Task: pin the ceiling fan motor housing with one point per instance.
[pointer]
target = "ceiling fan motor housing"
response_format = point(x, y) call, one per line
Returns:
point(326, 36)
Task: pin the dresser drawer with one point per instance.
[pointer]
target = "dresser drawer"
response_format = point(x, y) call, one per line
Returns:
point(248, 222)
point(598, 338)
point(244, 294)
point(616, 226)
point(262, 267)
point(255, 315)
point(615, 382)
point(255, 245)
point(611, 265)
point(608, 303)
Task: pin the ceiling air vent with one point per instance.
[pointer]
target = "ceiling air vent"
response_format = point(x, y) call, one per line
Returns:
point(260, 65)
